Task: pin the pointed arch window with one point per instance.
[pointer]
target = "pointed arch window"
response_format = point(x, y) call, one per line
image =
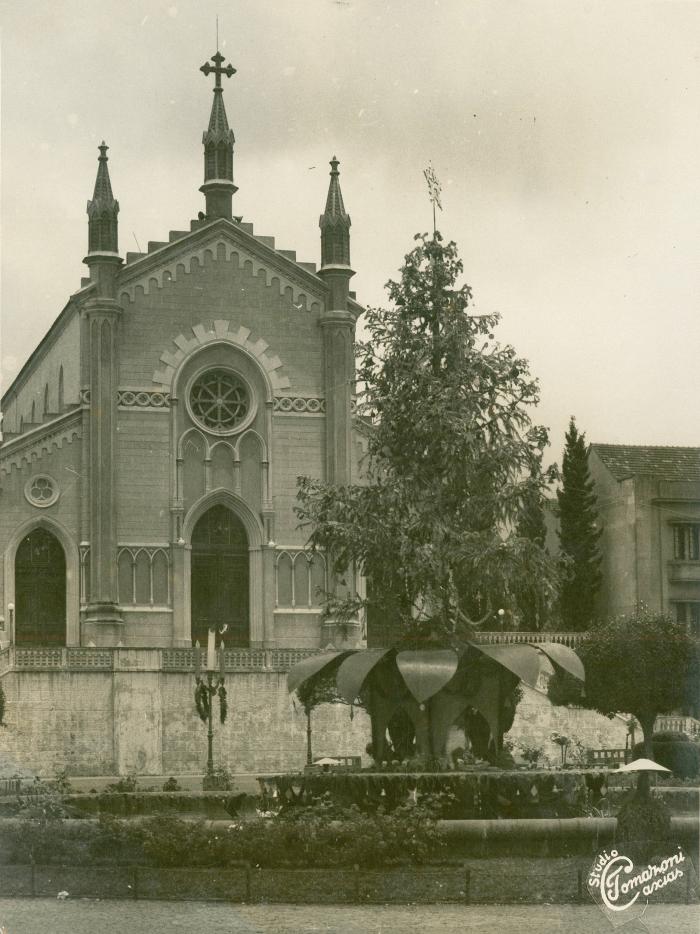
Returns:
point(143, 576)
point(301, 579)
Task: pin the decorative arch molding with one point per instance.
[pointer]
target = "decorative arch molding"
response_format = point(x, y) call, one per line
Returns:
point(233, 447)
point(71, 551)
point(185, 437)
point(270, 366)
point(252, 433)
point(252, 524)
point(254, 530)
point(219, 250)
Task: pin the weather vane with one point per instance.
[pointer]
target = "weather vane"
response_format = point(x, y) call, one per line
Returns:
point(434, 190)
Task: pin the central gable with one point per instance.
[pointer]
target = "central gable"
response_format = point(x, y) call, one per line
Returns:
point(232, 242)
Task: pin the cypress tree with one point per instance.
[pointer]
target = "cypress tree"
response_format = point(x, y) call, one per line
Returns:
point(578, 535)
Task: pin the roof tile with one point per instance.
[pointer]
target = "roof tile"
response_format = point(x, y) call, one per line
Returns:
point(665, 463)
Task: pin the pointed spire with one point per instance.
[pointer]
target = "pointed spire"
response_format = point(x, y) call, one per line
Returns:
point(218, 142)
point(335, 224)
point(102, 210)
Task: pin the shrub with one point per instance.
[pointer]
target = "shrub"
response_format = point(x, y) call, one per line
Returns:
point(644, 821)
point(679, 755)
point(670, 736)
point(171, 784)
point(313, 837)
point(123, 785)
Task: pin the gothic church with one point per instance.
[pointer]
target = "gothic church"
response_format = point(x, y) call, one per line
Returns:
point(148, 474)
point(153, 440)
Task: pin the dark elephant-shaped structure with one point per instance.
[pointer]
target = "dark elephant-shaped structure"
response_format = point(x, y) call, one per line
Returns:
point(423, 692)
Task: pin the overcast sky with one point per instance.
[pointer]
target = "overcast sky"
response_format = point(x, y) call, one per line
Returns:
point(566, 136)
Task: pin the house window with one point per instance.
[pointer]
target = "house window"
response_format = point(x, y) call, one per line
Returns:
point(686, 542)
point(688, 612)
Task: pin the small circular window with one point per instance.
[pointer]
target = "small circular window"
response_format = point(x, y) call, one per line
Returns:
point(220, 401)
point(41, 490)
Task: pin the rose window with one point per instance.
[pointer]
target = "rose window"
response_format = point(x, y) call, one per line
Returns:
point(220, 400)
point(41, 490)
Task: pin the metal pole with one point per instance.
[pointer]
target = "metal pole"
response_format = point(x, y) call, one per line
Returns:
point(309, 758)
point(210, 734)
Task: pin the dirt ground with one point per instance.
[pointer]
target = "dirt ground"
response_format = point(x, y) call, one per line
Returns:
point(39, 916)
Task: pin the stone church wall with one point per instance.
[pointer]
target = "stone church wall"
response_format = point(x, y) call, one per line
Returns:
point(145, 722)
point(143, 477)
point(297, 450)
point(60, 353)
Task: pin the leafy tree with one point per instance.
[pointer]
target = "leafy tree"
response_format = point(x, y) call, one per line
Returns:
point(452, 456)
point(639, 664)
point(578, 535)
point(535, 608)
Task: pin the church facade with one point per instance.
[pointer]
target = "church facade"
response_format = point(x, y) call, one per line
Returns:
point(153, 440)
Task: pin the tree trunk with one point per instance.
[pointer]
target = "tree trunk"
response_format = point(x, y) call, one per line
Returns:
point(647, 725)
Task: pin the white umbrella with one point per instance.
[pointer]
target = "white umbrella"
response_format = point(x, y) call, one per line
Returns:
point(643, 765)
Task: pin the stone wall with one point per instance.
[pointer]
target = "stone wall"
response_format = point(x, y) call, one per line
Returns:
point(107, 723)
point(145, 722)
point(536, 719)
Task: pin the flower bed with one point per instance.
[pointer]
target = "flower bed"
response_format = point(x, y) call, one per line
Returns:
point(469, 795)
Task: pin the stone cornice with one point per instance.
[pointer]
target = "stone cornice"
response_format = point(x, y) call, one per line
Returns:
point(31, 445)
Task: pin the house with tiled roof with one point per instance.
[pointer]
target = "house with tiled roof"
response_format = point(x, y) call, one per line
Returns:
point(649, 507)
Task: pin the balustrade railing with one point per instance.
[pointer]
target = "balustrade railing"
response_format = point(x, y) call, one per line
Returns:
point(678, 724)
point(83, 659)
point(571, 639)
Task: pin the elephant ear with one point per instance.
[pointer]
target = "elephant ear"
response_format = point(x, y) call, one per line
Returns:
point(523, 660)
point(354, 670)
point(564, 657)
point(310, 666)
point(426, 671)
point(487, 700)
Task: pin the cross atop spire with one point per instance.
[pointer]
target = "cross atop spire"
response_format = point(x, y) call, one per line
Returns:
point(229, 70)
point(218, 141)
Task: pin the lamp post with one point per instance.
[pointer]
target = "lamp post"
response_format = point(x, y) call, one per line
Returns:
point(206, 688)
point(11, 614)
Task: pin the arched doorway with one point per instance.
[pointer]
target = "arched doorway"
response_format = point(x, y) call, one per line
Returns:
point(40, 590)
point(220, 577)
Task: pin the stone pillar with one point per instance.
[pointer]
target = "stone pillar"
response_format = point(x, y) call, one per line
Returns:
point(339, 378)
point(103, 623)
